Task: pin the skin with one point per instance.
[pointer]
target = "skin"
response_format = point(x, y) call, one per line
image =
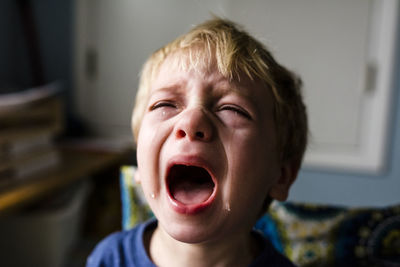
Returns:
point(201, 118)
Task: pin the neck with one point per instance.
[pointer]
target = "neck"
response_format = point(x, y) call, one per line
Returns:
point(237, 250)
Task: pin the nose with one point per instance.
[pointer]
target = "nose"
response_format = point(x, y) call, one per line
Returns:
point(194, 125)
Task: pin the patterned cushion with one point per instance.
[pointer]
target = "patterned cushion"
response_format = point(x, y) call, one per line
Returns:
point(134, 206)
point(310, 235)
point(317, 235)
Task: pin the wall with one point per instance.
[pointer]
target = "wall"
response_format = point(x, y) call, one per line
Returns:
point(319, 186)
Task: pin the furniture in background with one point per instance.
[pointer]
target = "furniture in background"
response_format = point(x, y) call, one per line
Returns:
point(55, 216)
point(76, 164)
point(27, 132)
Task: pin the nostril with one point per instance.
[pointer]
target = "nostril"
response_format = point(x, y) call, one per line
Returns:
point(181, 133)
point(200, 134)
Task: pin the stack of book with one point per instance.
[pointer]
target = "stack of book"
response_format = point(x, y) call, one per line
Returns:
point(29, 122)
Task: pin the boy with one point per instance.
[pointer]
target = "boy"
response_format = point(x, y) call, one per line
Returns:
point(221, 130)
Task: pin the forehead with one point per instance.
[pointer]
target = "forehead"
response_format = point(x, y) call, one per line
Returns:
point(179, 68)
point(175, 74)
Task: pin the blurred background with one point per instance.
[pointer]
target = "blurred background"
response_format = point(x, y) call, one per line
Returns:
point(68, 77)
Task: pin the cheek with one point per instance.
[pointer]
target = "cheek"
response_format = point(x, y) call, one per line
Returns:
point(252, 162)
point(144, 137)
point(148, 147)
point(150, 136)
point(249, 148)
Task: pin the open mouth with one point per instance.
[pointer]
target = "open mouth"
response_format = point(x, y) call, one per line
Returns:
point(190, 185)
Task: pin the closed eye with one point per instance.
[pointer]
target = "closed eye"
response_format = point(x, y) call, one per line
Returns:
point(162, 104)
point(237, 110)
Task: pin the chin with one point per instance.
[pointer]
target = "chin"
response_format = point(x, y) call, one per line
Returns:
point(190, 229)
point(191, 234)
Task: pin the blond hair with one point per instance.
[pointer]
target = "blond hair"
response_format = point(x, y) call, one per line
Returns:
point(235, 53)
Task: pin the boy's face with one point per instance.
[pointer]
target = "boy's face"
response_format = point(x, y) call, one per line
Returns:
point(207, 153)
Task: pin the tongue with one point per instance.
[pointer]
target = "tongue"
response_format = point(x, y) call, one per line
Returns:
point(192, 191)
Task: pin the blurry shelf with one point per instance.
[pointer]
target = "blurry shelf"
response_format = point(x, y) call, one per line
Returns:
point(75, 165)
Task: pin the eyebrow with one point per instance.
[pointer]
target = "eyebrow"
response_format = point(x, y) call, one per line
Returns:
point(175, 87)
point(220, 89)
point(233, 88)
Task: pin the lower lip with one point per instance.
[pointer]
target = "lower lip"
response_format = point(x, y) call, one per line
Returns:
point(193, 209)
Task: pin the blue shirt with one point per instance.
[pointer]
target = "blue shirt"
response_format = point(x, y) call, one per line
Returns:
point(126, 249)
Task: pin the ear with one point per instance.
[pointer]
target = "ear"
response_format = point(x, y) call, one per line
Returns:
point(288, 174)
point(136, 176)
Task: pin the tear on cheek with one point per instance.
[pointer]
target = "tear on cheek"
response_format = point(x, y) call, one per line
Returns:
point(190, 184)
